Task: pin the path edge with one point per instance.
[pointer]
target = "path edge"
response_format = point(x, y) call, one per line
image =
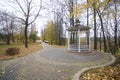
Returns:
point(79, 73)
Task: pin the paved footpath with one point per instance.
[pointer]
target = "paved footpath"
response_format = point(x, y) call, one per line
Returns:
point(49, 64)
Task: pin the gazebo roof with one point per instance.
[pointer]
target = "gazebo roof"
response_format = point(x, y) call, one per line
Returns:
point(80, 27)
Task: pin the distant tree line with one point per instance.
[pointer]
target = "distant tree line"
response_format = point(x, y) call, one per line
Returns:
point(12, 29)
point(52, 34)
point(101, 15)
point(28, 12)
point(9, 25)
point(106, 27)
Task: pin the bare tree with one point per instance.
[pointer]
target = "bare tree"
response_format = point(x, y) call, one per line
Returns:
point(8, 26)
point(60, 10)
point(71, 9)
point(29, 11)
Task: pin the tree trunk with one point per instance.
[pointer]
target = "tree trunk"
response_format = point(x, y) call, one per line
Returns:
point(100, 40)
point(115, 33)
point(88, 25)
point(8, 39)
point(110, 44)
point(119, 40)
point(95, 31)
point(26, 37)
point(71, 6)
point(104, 40)
point(12, 35)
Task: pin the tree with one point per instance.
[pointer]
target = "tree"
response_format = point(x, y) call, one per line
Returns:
point(87, 24)
point(29, 12)
point(58, 20)
point(59, 9)
point(116, 28)
point(33, 36)
point(103, 9)
point(98, 8)
point(95, 29)
point(49, 32)
point(8, 25)
point(71, 9)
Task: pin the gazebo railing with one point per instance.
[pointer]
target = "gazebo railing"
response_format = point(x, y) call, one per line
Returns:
point(83, 47)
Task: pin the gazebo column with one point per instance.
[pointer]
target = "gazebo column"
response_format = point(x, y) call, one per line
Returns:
point(75, 37)
point(69, 35)
point(89, 41)
point(79, 40)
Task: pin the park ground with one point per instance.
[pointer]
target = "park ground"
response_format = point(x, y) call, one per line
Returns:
point(33, 47)
point(111, 72)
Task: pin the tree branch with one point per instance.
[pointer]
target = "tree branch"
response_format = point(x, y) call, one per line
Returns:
point(21, 7)
point(37, 13)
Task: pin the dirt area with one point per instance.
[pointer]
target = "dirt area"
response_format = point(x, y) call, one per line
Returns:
point(33, 47)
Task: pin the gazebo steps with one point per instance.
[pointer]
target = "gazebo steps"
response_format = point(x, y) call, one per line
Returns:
point(76, 50)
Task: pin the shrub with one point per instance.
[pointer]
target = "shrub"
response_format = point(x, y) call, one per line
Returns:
point(12, 51)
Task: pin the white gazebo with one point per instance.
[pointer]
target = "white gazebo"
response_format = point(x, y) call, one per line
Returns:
point(74, 38)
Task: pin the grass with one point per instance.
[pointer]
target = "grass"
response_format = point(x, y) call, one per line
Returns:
point(58, 46)
point(119, 51)
point(33, 47)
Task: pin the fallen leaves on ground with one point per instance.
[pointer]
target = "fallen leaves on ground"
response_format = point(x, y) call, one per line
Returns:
point(23, 51)
point(111, 72)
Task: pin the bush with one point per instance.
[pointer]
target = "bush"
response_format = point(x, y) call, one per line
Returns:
point(12, 51)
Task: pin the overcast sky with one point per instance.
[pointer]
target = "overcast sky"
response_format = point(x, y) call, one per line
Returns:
point(45, 14)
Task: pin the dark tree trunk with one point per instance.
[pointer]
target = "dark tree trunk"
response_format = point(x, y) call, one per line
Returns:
point(95, 31)
point(26, 37)
point(115, 34)
point(102, 27)
point(119, 40)
point(110, 44)
point(8, 39)
point(12, 36)
point(119, 37)
point(71, 6)
point(100, 40)
point(87, 25)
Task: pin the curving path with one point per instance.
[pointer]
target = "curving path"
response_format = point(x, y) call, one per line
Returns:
point(49, 64)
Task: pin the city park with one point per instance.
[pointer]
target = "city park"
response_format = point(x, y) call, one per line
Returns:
point(66, 52)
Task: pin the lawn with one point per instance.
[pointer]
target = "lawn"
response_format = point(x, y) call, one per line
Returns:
point(33, 47)
point(58, 46)
point(111, 72)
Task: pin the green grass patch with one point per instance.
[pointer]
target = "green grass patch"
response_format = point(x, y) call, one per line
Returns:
point(119, 50)
point(8, 46)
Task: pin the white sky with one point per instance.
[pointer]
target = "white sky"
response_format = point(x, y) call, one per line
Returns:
point(45, 15)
